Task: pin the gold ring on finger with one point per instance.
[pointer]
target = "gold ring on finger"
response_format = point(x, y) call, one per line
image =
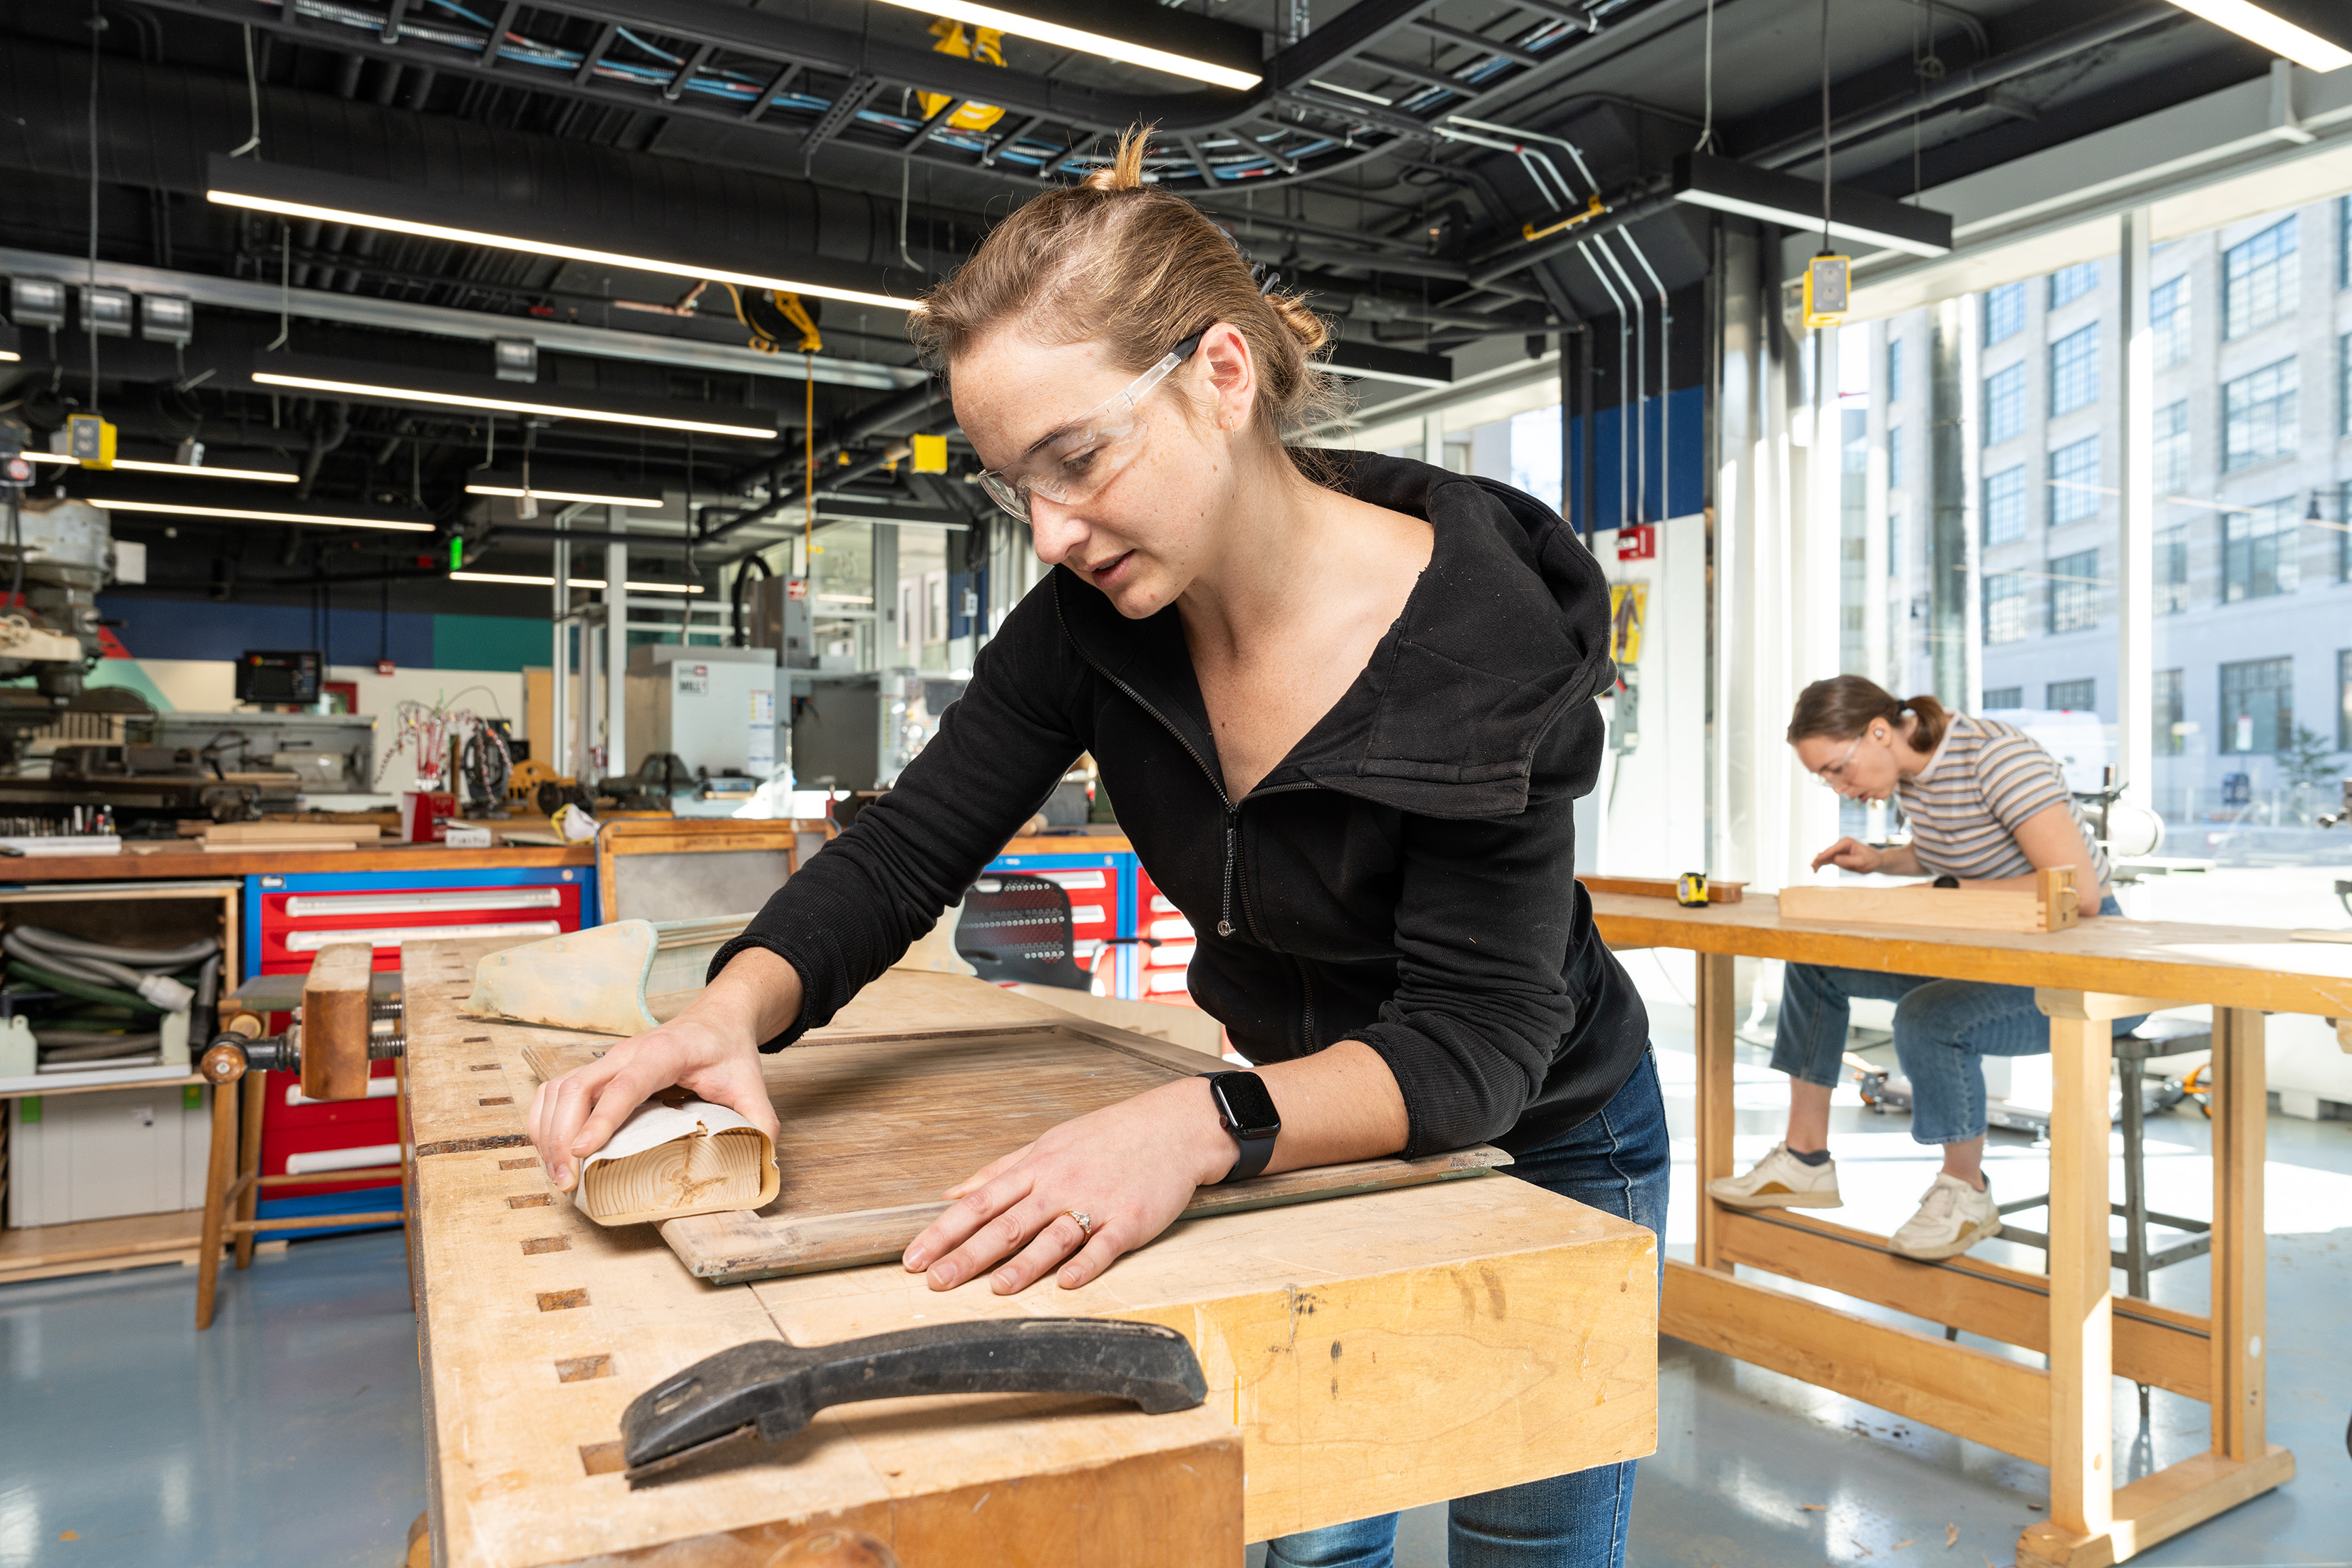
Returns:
point(1086, 1225)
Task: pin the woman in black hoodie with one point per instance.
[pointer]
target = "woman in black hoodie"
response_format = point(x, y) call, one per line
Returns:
point(1346, 712)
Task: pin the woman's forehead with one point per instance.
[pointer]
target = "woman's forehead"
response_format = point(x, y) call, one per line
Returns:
point(1009, 391)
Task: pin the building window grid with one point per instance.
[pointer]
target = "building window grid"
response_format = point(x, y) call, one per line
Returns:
point(2074, 371)
point(2004, 607)
point(2172, 447)
point(1895, 457)
point(2069, 284)
point(2171, 573)
point(2004, 405)
point(2257, 707)
point(2004, 313)
point(2344, 700)
point(2169, 708)
point(2002, 699)
point(2072, 695)
point(2074, 592)
point(2259, 279)
point(2261, 551)
point(2258, 415)
point(1894, 370)
point(2074, 491)
point(2004, 506)
point(2168, 316)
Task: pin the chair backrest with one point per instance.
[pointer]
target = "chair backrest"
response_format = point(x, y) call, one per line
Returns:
point(1016, 926)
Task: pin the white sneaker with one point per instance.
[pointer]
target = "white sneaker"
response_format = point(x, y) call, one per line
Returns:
point(1779, 1181)
point(1953, 1216)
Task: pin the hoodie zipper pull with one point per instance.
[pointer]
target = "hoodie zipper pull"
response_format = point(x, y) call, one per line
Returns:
point(1225, 911)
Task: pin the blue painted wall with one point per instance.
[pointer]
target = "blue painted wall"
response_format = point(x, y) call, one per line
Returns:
point(1684, 468)
point(198, 628)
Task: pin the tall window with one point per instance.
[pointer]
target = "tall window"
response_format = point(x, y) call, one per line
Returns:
point(2075, 481)
point(2172, 448)
point(2001, 698)
point(2072, 695)
point(2169, 708)
point(2069, 284)
point(2260, 551)
point(2167, 315)
point(2343, 384)
point(2004, 312)
point(2344, 242)
point(2259, 279)
point(2257, 707)
point(2004, 506)
point(2004, 607)
point(2004, 405)
point(2344, 700)
point(2074, 594)
point(2074, 371)
point(2258, 415)
point(1894, 370)
point(1895, 457)
point(2172, 569)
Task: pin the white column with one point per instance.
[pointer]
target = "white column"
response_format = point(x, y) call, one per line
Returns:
point(616, 640)
point(2136, 540)
point(1432, 439)
point(559, 705)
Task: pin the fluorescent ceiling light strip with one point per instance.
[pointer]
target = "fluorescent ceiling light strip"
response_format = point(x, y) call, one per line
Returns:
point(2274, 33)
point(1789, 218)
point(522, 580)
point(512, 406)
point(10, 356)
point(517, 490)
point(176, 508)
point(141, 465)
point(548, 248)
point(1100, 44)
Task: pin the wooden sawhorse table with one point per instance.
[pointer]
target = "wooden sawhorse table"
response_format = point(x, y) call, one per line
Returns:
point(2102, 969)
point(1367, 1353)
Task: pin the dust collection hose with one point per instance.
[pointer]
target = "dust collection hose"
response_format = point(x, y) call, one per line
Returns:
point(145, 971)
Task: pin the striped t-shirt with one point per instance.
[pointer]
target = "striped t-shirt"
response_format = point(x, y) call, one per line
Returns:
point(1985, 781)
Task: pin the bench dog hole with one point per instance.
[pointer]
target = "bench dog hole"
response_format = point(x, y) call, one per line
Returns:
point(498, 1100)
point(581, 1368)
point(538, 1244)
point(562, 1300)
point(516, 1164)
point(529, 1201)
point(601, 1459)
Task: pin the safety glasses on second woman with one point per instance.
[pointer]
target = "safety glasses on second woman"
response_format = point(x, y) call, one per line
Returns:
point(1072, 462)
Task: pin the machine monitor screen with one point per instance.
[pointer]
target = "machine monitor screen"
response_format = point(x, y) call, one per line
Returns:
point(277, 677)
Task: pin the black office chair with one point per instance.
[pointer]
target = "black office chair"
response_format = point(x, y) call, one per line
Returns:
point(1016, 928)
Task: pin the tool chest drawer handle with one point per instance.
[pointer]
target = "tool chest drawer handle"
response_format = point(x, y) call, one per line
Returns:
point(312, 940)
point(308, 906)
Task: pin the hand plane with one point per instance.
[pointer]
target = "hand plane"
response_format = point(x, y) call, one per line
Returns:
point(773, 1389)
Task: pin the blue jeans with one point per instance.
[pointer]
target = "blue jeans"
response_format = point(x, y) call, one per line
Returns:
point(1942, 1030)
point(1618, 1160)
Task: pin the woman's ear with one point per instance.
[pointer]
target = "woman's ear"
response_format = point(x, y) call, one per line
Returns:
point(1230, 374)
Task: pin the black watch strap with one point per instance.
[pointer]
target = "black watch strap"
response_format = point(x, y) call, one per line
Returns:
point(1246, 1111)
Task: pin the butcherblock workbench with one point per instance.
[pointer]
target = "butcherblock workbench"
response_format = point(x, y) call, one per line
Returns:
point(2102, 969)
point(1363, 1353)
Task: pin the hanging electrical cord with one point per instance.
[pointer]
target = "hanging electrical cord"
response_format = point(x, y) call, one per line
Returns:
point(1705, 142)
point(1826, 127)
point(90, 295)
point(253, 95)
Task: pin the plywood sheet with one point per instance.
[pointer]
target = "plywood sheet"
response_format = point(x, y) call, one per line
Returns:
point(874, 1126)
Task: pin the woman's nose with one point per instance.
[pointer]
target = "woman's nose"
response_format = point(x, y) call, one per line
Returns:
point(1054, 531)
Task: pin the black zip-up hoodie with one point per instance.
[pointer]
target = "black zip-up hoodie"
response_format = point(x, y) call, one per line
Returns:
point(1403, 878)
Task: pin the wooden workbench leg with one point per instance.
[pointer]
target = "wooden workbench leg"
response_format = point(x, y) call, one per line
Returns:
point(1713, 1029)
point(220, 1169)
point(407, 1210)
point(249, 1161)
point(2081, 1419)
point(2242, 1104)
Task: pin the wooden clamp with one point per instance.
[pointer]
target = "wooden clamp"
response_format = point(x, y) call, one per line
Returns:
point(335, 1022)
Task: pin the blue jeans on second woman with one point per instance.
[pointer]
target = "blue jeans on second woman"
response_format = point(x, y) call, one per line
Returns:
point(1943, 1029)
point(1618, 1160)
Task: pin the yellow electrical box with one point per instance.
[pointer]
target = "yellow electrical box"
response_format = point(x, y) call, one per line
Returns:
point(931, 454)
point(89, 440)
point(1828, 289)
point(1627, 604)
point(987, 46)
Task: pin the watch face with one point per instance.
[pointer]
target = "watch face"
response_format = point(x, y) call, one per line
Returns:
point(1242, 1097)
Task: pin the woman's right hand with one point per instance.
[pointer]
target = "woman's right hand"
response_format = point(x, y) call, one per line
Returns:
point(710, 1050)
point(1851, 855)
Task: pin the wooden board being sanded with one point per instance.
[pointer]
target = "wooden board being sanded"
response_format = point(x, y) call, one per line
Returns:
point(874, 1126)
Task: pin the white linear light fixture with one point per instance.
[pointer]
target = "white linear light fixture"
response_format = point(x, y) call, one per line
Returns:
point(499, 485)
point(1786, 200)
point(2263, 26)
point(1086, 43)
point(195, 470)
point(511, 405)
point(254, 202)
point(523, 580)
point(252, 514)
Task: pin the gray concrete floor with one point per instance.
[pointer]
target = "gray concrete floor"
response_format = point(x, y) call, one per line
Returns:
point(288, 1436)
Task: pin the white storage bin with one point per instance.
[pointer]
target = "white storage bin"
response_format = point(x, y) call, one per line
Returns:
point(108, 1153)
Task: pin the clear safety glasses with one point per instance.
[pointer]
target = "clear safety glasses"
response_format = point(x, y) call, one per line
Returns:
point(1074, 462)
point(1831, 776)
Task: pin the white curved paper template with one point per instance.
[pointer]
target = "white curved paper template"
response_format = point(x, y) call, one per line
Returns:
point(677, 1156)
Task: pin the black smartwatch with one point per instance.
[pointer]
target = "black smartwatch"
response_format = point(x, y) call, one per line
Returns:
point(1247, 1111)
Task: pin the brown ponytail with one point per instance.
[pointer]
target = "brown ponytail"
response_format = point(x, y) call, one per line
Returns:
point(1115, 260)
point(1845, 705)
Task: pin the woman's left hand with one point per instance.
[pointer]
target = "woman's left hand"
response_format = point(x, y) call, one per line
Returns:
point(1130, 1168)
